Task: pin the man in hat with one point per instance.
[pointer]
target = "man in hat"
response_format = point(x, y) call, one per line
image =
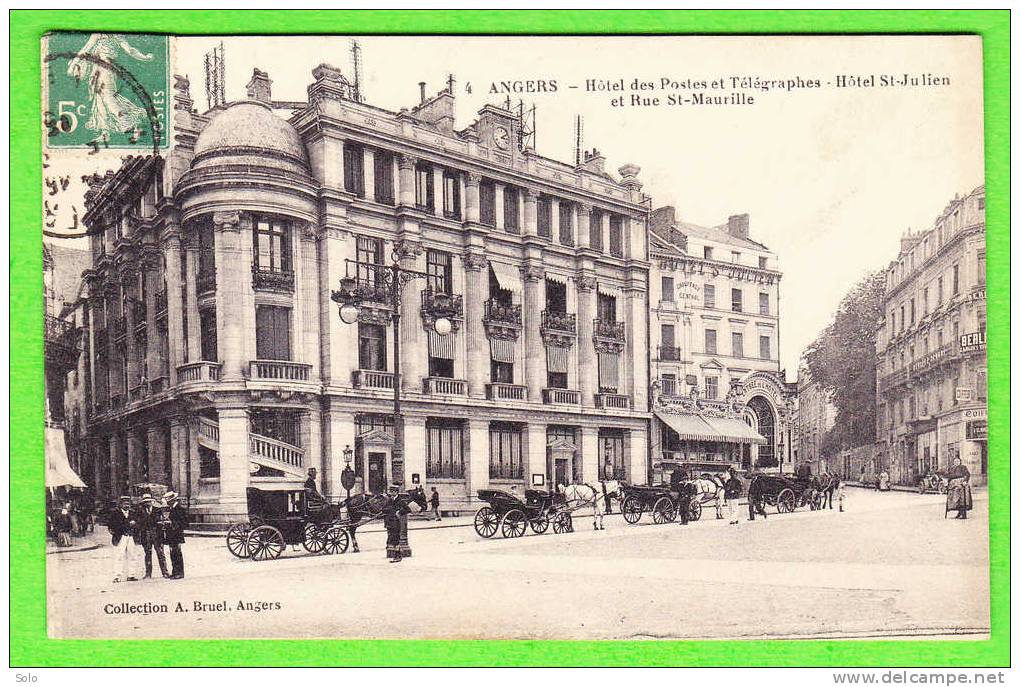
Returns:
point(174, 534)
point(121, 523)
point(151, 535)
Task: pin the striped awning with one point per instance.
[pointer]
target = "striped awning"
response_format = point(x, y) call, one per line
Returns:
point(735, 431)
point(557, 358)
point(502, 350)
point(688, 426)
point(508, 276)
point(609, 370)
point(443, 347)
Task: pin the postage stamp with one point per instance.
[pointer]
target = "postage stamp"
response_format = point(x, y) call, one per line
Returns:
point(106, 90)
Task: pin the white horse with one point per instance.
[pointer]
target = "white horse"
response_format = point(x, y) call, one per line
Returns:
point(709, 491)
point(594, 496)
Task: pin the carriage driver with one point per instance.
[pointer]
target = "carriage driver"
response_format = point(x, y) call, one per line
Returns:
point(682, 493)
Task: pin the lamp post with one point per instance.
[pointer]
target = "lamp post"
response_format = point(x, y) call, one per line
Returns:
point(347, 477)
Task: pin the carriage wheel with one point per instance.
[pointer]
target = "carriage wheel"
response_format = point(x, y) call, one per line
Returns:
point(514, 524)
point(563, 523)
point(314, 538)
point(486, 522)
point(265, 543)
point(237, 538)
point(786, 502)
point(540, 523)
point(663, 511)
point(695, 511)
point(632, 510)
point(335, 540)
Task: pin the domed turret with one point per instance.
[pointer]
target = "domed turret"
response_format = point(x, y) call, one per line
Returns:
point(250, 127)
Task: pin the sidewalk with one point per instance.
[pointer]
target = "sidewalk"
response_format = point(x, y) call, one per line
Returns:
point(86, 542)
point(414, 522)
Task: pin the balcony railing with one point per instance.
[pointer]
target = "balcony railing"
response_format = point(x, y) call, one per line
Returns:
point(609, 329)
point(559, 321)
point(210, 429)
point(561, 396)
point(136, 392)
point(276, 450)
point(894, 379)
point(272, 280)
point(612, 401)
point(140, 313)
point(58, 330)
point(160, 300)
point(372, 379)
point(371, 291)
point(935, 358)
point(505, 392)
point(280, 370)
point(444, 386)
point(159, 384)
point(669, 353)
point(201, 371)
point(499, 313)
point(442, 304)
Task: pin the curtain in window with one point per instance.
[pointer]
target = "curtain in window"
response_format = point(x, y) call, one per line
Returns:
point(444, 347)
point(609, 370)
point(502, 350)
point(557, 358)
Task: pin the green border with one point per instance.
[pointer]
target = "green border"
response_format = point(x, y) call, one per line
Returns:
point(29, 643)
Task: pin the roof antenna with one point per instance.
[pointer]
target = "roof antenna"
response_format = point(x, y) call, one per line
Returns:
point(578, 139)
point(356, 63)
point(214, 77)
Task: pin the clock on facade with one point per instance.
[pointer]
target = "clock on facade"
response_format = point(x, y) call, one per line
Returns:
point(501, 137)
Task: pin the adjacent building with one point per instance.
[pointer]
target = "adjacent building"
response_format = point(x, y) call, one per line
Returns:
point(216, 360)
point(815, 416)
point(932, 371)
point(719, 395)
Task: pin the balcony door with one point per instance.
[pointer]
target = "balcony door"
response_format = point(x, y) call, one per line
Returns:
point(272, 332)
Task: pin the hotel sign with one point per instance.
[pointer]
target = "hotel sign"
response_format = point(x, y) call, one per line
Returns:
point(977, 430)
point(974, 341)
point(964, 394)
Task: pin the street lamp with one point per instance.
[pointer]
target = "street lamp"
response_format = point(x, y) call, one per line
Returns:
point(347, 477)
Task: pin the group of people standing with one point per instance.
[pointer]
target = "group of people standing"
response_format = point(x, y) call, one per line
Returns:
point(69, 513)
point(151, 526)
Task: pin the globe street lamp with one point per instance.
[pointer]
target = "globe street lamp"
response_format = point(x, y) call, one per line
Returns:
point(348, 476)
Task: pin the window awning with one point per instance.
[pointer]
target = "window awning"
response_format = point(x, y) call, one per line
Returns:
point(58, 471)
point(508, 276)
point(691, 427)
point(736, 431)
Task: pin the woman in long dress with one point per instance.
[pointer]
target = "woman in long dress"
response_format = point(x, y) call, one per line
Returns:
point(958, 495)
point(109, 111)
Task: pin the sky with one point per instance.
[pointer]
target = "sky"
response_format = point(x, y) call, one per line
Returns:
point(831, 177)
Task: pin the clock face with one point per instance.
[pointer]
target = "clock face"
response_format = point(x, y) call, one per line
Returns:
point(501, 137)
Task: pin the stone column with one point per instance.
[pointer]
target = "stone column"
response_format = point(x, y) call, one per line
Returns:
point(591, 454)
point(554, 219)
point(634, 357)
point(530, 218)
point(194, 467)
point(176, 345)
point(405, 165)
point(534, 349)
point(338, 435)
point(130, 350)
point(438, 193)
point(369, 174)
point(307, 291)
point(153, 283)
point(581, 226)
point(311, 442)
point(234, 462)
point(137, 458)
point(157, 455)
point(178, 455)
point(603, 230)
point(638, 457)
point(116, 448)
point(500, 215)
point(476, 469)
point(478, 360)
point(193, 335)
point(587, 362)
point(231, 281)
point(414, 450)
point(535, 456)
point(413, 343)
point(471, 201)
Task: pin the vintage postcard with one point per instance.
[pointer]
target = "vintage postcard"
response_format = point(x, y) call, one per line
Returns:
point(562, 337)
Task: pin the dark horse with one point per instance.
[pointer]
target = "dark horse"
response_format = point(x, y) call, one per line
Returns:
point(828, 484)
point(372, 506)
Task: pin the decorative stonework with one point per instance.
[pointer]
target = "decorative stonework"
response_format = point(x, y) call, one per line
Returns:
point(371, 315)
point(406, 162)
point(311, 231)
point(533, 272)
point(585, 280)
point(557, 339)
point(475, 261)
point(408, 249)
point(227, 221)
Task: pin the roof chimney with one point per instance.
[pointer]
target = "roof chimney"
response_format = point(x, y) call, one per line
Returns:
point(738, 226)
point(421, 88)
point(260, 87)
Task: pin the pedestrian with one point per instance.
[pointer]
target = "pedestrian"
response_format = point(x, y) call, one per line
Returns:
point(434, 502)
point(958, 495)
point(679, 489)
point(151, 535)
point(63, 525)
point(731, 492)
point(840, 495)
point(173, 535)
point(121, 523)
point(883, 481)
point(392, 522)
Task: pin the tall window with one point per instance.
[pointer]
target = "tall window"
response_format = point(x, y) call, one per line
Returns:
point(566, 224)
point(956, 279)
point(669, 384)
point(763, 303)
point(764, 348)
point(708, 252)
point(451, 195)
point(506, 455)
point(354, 169)
point(276, 424)
point(555, 296)
point(607, 307)
point(440, 271)
point(370, 252)
point(272, 245)
point(371, 346)
point(941, 291)
point(711, 345)
point(272, 332)
point(924, 299)
point(668, 336)
point(544, 216)
point(738, 344)
point(444, 449)
point(763, 262)
point(667, 289)
point(501, 372)
point(735, 257)
point(737, 300)
point(487, 203)
point(709, 296)
point(424, 191)
point(207, 334)
point(511, 210)
point(556, 367)
point(913, 312)
point(611, 462)
point(502, 296)
point(981, 267)
point(595, 229)
point(616, 236)
point(711, 388)
point(206, 253)
point(383, 168)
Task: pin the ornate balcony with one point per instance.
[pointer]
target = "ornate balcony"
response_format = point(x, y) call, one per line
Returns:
point(136, 393)
point(505, 392)
point(505, 315)
point(894, 379)
point(438, 304)
point(939, 356)
point(61, 343)
point(612, 401)
point(372, 379)
point(609, 329)
point(561, 397)
point(280, 370)
point(669, 354)
point(201, 371)
point(442, 386)
point(272, 280)
point(554, 321)
point(275, 450)
point(159, 384)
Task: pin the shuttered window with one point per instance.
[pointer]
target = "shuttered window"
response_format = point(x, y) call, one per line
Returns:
point(506, 456)
point(383, 168)
point(444, 456)
point(272, 332)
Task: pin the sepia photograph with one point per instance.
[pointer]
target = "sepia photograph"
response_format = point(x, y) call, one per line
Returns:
point(515, 337)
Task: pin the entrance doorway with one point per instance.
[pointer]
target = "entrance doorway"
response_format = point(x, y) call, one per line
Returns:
point(376, 472)
point(562, 472)
point(767, 428)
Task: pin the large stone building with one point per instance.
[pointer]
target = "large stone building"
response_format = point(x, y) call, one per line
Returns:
point(217, 361)
point(719, 394)
point(815, 415)
point(932, 371)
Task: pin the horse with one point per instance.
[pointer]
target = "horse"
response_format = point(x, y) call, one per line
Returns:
point(829, 485)
point(371, 507)
point(709, 489)
point(585, 495)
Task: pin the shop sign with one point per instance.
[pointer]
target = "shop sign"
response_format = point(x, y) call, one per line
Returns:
point(974, 341)
point(975, 414)
point(688, 291)
point(964, 394)
point(978, 295)
point(977, 430)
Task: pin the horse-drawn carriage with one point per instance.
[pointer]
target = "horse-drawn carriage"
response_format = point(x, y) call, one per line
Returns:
point(783, 492)
point(511, 515)
point(659, 500)
point(277, 519)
